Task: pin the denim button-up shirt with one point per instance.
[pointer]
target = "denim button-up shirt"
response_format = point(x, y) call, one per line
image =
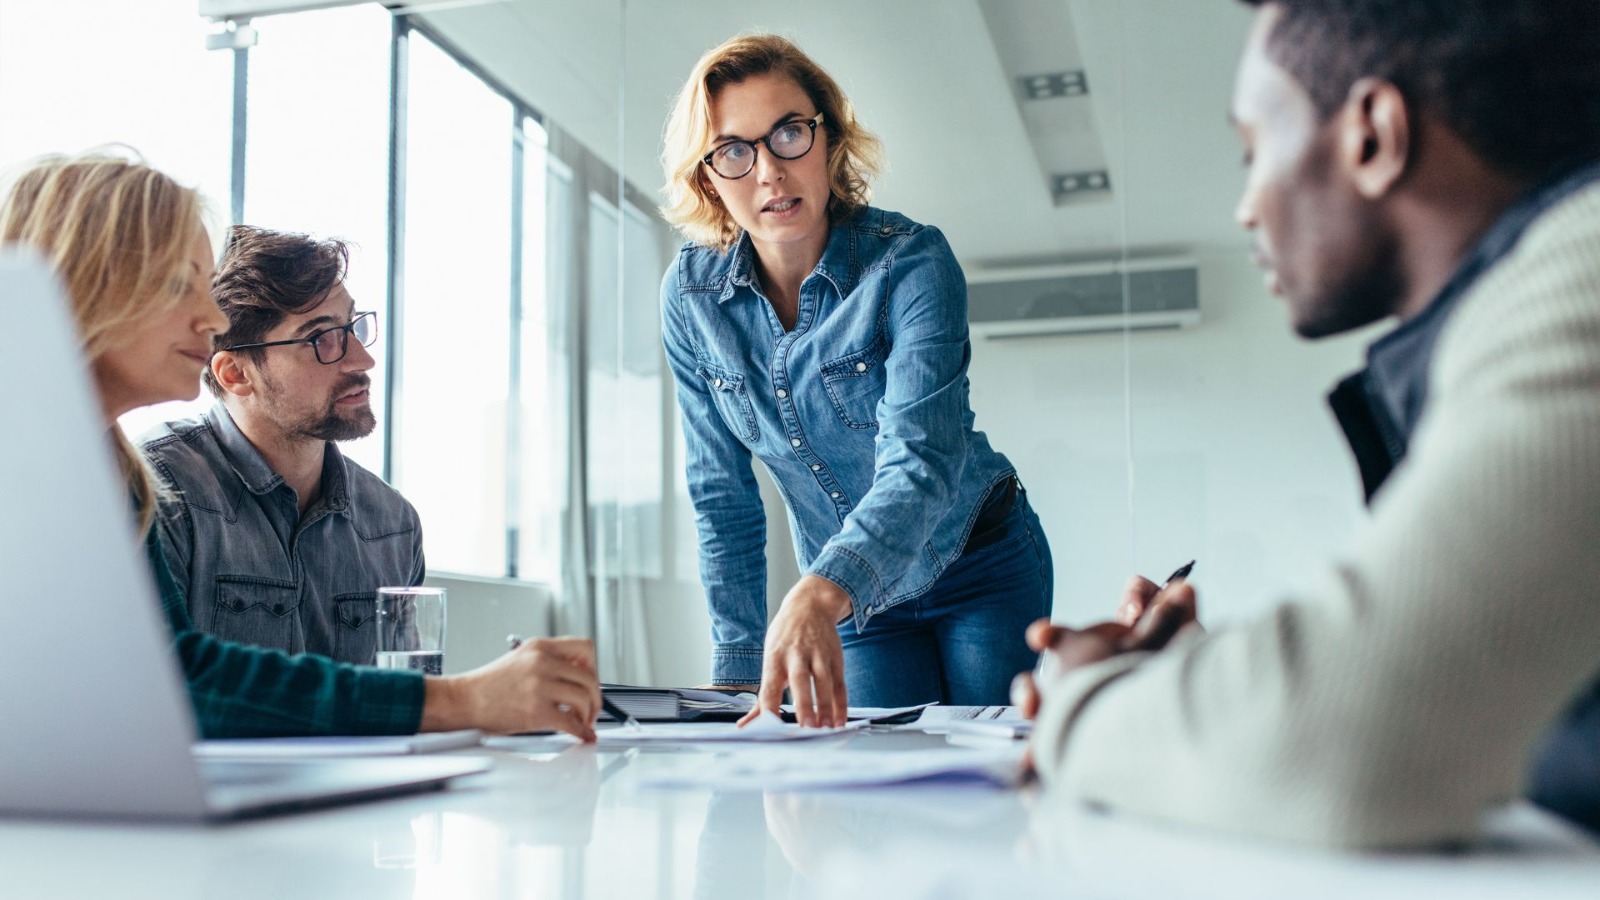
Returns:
point(860, 413)
point(256, 571)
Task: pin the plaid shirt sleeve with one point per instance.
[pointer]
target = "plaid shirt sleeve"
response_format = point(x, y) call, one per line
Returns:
point(243, 691)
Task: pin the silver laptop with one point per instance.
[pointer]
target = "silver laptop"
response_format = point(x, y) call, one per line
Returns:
point(95, 718)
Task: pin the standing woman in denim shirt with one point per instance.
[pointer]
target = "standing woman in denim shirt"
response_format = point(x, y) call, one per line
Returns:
point(829, 339)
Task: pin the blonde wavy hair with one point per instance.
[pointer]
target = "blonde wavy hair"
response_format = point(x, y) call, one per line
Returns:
point(855, 155)
point(117, 233)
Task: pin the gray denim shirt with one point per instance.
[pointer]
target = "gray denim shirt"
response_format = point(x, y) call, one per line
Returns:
point(253, 569)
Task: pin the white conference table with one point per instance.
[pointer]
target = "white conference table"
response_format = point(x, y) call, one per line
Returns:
point(574, 822)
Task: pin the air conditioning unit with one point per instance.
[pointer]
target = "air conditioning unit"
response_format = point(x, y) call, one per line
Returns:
point(1088, 298)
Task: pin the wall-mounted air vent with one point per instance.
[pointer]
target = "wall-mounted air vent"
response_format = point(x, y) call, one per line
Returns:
point(1084, 299)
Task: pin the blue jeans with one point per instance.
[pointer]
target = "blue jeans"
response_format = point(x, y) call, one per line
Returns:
point(960, 643)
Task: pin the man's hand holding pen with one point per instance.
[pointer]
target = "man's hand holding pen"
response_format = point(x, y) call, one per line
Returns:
point(1147, 619)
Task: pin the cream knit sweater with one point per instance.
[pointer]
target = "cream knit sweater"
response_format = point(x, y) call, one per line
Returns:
point(1389, 701)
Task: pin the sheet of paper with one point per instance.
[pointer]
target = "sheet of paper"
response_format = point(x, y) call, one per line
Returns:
point(792, 769)
point(764, 729)
point(872, 712)
point(937, 719)
point(397, 745)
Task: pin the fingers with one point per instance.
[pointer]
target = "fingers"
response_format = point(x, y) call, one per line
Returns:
point(578, 650)
point(572, 723)
point(1043, 634)
point(1025, 694)
point(770, 697)
point(1172, 610)
point(1136, 597)
point(841, 698)
point(800, 688)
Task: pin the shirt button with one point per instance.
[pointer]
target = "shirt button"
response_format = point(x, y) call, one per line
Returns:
point(816, 467)
point(834, 495)
point(782, 393)
point(887, 229)
point(794, 442)
point(861, 367)
point(718, 382)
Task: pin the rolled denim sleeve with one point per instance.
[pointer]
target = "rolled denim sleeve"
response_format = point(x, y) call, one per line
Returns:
point(921, 445)
point(729, 517)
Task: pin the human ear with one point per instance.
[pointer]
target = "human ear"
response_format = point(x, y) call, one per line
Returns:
point(230, 373)
point(1375, 136)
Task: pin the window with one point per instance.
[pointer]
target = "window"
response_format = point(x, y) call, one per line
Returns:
point(317, 150)
point(169, 98)
point(456, 333)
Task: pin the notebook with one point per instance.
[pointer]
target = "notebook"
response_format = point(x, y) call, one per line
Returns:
point(678, 704)
point(97, 721)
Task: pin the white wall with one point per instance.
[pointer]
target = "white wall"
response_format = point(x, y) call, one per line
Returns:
point(1237, 463)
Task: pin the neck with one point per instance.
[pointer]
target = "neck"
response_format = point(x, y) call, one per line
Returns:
point(784, 267)
point(1450, 207)
point(297, 459)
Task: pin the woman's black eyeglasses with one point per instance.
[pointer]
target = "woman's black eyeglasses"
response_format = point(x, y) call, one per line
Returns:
point(791, 140)
point(330, 344)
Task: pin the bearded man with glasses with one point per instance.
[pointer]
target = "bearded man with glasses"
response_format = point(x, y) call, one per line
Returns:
point(275, 536)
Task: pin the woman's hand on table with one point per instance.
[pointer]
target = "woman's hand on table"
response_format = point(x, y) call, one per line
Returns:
point(803, 653)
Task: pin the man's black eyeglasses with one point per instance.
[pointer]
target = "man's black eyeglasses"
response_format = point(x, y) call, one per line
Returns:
point(330, 344)
point(791, 140)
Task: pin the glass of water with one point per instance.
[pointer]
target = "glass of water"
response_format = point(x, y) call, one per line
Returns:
point(411, 629)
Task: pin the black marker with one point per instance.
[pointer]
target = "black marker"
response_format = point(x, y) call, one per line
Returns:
point(1183, 572)
point(611, 709)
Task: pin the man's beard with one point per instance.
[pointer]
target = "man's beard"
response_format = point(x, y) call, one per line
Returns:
point(333, 424)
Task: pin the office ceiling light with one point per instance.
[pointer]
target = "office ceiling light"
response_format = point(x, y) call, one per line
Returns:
point(1053, 84)
point(1082, 182)
point(1037, 48)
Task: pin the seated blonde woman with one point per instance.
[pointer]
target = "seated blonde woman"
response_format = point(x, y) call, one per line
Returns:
point(129, 245)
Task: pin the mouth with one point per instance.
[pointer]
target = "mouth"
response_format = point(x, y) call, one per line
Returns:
point(1273, 283)
point(201, 357)
point(781, 205)
point(354, 394)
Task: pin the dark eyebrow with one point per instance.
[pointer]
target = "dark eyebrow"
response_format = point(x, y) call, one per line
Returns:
point(782, 120)
point(311, 325)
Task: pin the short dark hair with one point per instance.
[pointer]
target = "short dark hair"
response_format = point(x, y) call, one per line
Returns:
point(266, 276)
point(1518, 80)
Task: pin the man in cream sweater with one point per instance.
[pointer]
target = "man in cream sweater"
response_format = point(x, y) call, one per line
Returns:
point(1437, 163)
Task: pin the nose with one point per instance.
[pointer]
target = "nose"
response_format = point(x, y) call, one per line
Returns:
point(769, 166)
point(357, 358)
point(1245, 212)
point(209, 319)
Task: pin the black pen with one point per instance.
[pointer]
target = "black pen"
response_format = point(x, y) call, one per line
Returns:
point(613, 710)
point(1183, 572)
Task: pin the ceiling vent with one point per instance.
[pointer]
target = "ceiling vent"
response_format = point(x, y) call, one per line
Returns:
point(1089, 298)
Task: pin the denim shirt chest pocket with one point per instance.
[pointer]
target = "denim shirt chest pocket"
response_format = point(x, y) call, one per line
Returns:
point(355, 632)
point(855, 383)
point(260, 611)
point(732, 399)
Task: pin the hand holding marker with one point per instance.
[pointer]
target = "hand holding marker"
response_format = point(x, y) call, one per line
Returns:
point(513, 642)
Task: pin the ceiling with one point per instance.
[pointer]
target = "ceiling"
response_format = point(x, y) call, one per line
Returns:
point(1159, 72)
